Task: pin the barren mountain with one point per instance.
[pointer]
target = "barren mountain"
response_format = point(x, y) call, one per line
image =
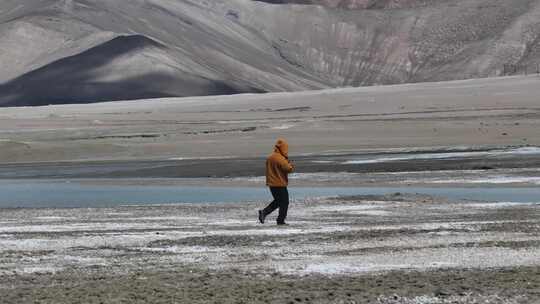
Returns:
point(74, 51)
point(360, 4)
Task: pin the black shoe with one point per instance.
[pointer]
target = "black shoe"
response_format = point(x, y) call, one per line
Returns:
point(261, 217)
point(282, 224)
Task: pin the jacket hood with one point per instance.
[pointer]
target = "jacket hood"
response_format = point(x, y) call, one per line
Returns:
point(282, 147)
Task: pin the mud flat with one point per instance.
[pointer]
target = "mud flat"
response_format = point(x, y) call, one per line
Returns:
point(396, 248)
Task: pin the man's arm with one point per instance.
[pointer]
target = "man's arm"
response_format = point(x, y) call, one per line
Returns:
point(286, 165)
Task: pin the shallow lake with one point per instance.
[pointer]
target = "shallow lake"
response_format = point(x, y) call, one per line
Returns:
point(61, 193)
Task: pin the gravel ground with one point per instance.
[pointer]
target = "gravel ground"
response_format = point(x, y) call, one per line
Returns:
point(398, 248)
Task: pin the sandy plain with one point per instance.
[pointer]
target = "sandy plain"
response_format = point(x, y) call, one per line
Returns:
point(484, 112)
point(395, 248)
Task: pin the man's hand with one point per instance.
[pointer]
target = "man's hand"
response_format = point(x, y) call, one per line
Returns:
point(292, 165)
point(286, 165)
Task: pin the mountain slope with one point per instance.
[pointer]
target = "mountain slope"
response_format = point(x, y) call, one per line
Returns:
point(242, 46)
point(126, 67)
point(359, 4)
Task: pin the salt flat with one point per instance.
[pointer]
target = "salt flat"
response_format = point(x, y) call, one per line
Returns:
point(356, 237)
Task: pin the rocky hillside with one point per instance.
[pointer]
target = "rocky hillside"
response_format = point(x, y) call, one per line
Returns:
point(360, 4)
point(81, 51)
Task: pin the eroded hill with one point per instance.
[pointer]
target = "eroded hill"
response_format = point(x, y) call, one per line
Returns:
point(75, 51)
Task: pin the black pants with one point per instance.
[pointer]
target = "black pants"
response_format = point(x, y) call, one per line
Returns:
point(281, 201)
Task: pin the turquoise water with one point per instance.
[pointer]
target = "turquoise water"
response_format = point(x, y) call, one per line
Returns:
point(55, 193)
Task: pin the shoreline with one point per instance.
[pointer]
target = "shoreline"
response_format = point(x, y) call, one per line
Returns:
point(379, 162)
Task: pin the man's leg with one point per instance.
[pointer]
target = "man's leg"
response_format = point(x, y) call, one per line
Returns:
point(283, 205)
point(274, 204)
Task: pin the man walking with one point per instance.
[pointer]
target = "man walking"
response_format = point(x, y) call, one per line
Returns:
point(278, 167)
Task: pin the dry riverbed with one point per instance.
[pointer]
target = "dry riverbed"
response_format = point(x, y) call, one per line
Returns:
point(398, 248)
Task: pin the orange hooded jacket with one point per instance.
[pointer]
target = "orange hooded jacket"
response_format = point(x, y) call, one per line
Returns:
point(278, 165)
